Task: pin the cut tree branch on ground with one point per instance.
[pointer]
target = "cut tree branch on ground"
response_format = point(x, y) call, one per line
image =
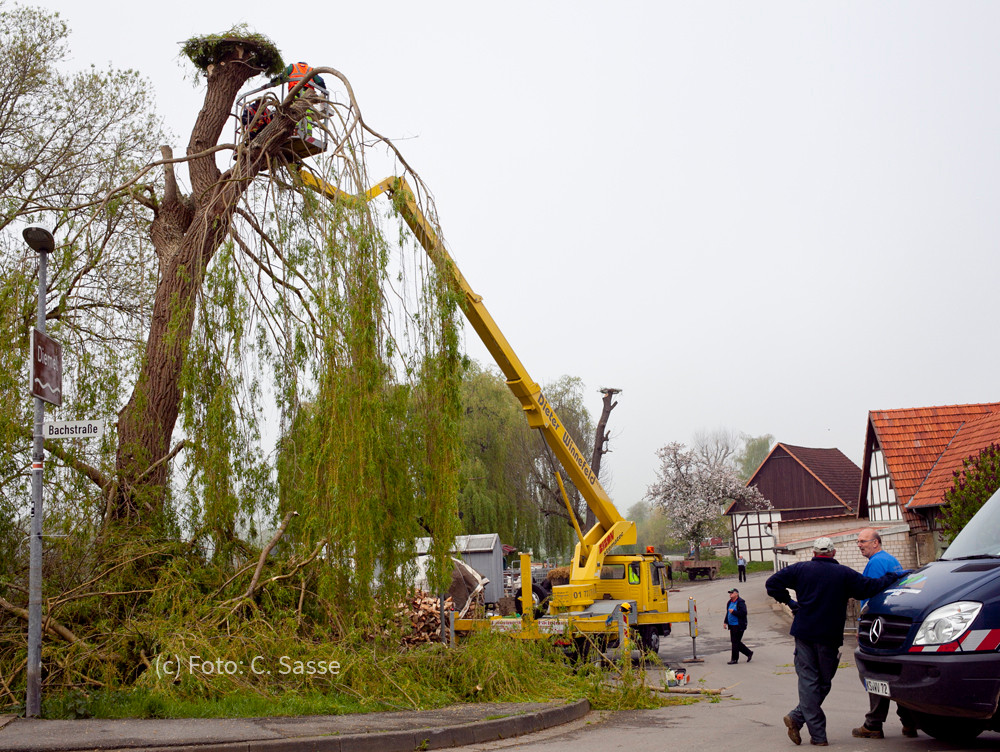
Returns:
point(54, 628)
point(262, 559)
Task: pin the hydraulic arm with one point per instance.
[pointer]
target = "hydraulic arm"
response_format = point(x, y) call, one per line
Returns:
point(610, 528)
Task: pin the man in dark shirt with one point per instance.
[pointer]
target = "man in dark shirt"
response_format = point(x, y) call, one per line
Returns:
point(822, 588)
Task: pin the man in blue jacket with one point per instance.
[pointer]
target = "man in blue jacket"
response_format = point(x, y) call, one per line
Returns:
point(735, 621)
point(822, 588)
point(880, 561)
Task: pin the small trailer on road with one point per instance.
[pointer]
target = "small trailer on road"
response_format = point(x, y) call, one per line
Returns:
point(700, 568)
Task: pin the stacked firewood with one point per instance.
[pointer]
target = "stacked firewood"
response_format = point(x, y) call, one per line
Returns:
point(423, 612)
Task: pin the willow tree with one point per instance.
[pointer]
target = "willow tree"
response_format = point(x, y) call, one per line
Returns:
point(238, 304)
point(507, 479)
point(273, 274)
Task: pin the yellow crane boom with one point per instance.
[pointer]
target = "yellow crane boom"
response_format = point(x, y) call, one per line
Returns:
point(610, 528)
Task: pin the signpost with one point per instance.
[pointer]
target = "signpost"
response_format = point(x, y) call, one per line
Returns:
point(46, 386)
point(49, 389)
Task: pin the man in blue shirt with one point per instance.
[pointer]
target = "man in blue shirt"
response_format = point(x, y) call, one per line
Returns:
point(879, 563)
point(822, 588)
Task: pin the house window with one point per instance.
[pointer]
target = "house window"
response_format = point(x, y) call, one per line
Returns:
point(882, 503)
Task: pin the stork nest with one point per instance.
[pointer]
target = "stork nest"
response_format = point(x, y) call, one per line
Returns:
point(239, 43)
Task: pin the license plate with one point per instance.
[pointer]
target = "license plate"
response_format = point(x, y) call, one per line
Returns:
point(876, 687)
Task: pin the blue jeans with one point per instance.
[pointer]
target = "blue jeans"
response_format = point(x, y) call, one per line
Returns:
point(815, 665)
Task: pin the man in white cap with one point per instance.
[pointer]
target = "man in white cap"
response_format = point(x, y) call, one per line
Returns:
point(822, 588)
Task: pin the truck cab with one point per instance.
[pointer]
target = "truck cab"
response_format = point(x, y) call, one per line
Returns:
point(931, 641)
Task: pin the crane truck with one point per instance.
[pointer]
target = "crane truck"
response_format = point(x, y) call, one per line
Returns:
point(607, 593)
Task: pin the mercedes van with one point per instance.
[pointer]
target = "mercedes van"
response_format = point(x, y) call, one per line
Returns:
point(930, 642)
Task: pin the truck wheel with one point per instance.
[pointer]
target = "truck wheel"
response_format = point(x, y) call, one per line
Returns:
point(691, 575)
point(538, 598)
point(539, 594)
point(711, 574)
point(949, 729)
point(649, 639)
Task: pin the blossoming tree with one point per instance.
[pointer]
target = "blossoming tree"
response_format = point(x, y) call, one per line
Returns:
point(691, 490)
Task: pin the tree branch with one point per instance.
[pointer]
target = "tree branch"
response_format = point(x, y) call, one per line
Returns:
point(267, 549)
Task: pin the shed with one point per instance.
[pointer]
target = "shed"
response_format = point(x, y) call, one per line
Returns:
point(481, 552)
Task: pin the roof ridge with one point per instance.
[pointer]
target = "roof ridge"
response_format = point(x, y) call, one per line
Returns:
point(993, 405)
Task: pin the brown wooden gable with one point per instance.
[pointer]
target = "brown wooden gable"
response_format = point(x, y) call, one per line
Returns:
point(806, 483)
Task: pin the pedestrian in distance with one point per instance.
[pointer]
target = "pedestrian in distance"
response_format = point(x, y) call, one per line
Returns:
point(822, 588)
point(880, 562)
point(735, 621)
point(741, 565)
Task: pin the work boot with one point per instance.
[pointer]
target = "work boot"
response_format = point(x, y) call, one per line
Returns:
point(793, 730)
point(863, 732)
point(750, 657)
point(910, 732)
point(823, 743)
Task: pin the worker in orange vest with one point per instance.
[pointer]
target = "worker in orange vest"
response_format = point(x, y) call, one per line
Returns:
point(295, 73)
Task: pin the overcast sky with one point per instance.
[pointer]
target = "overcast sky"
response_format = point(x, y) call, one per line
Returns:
point(762, 217)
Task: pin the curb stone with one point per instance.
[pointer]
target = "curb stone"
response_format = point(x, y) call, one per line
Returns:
point(408, 740)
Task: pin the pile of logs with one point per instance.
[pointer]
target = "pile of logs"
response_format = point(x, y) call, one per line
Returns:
point(423, 612)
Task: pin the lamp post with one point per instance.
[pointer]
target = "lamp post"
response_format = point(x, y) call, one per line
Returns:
point(41, 241)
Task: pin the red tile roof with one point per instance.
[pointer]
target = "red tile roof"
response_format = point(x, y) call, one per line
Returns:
point(970, 439)
point(913, 440)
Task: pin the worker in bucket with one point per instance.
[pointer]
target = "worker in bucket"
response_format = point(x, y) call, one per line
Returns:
point(295, 72)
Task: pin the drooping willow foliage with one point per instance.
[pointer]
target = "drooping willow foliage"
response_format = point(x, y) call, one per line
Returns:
point(319, 398)
point(348, 343)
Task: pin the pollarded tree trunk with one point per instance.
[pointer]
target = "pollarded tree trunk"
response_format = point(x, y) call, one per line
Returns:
point(186, 232)
point(600, 441)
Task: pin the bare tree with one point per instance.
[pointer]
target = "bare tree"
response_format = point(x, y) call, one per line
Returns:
point(601, 439)
point(716, 449)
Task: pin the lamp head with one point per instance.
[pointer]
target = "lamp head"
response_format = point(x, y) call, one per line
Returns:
point(39, 239)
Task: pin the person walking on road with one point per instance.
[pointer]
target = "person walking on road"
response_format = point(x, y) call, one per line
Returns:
point(741, 566)
point(736, 622)
point(880, 561)
point(822, 587)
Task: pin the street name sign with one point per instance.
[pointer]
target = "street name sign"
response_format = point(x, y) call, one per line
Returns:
point(73, 429)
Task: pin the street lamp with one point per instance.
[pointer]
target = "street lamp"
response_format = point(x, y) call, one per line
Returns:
point(39, 239)
point(41, 242)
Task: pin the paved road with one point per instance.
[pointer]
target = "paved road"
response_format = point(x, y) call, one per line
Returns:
point(748, 718)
